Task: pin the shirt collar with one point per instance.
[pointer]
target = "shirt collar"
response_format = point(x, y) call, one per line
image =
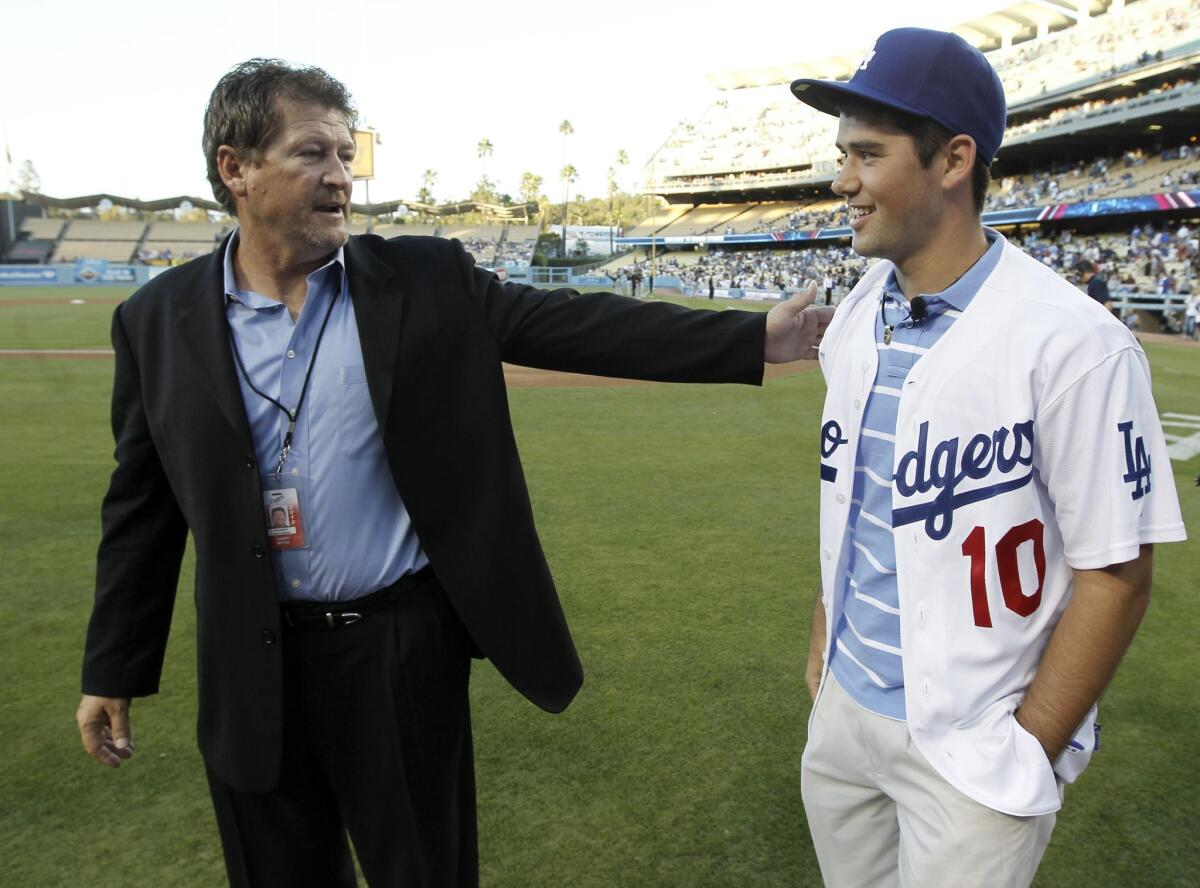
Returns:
point(249, 298)
point(960, 293)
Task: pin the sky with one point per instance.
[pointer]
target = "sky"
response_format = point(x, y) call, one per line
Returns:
point(109, 97)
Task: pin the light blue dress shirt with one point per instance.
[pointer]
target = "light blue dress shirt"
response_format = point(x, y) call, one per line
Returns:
point(865, 655)
point(359, 535)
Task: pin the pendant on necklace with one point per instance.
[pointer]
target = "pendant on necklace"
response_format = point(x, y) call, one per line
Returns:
point(887, 335)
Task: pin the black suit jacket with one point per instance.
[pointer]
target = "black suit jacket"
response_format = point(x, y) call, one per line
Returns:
point(434, 329)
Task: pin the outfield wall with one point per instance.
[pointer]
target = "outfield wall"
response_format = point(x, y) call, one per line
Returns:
point(85, 273)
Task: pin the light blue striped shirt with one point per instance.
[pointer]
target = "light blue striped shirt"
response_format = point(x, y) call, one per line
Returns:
point(865, 655)
point(359, 534)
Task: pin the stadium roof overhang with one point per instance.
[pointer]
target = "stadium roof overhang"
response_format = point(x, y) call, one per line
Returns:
point(89, 201)
point(1009, 24)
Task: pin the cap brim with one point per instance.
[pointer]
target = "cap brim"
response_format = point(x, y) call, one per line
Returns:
point(824, 95)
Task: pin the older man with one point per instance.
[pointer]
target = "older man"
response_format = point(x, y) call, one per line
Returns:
point(356, 383)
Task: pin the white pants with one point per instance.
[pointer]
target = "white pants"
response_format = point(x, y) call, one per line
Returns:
point(881, 817)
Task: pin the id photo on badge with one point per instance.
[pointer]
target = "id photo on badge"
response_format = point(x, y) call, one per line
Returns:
point(282, 512)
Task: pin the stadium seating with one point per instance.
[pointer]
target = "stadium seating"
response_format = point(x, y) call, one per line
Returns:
point(96, 230)
point(760, 135)
point(398, 230)
point(1069, 59)
point(659, 219)
point(763, 217)
point(517, 244)
point(190, 232)
point(43, 229)
point(704, 219)
point(171, 242)
point(95, 239)
point(113, 251)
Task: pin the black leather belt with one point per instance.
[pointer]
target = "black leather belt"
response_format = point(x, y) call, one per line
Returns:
point(309, 615)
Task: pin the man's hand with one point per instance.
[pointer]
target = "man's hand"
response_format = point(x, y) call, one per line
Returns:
point(795, 327)
point(104, 728)
point(1105, 610)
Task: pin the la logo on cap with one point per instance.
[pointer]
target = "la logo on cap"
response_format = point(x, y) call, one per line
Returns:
point(867, 60)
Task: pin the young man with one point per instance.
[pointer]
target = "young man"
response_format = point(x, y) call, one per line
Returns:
point(359, 381)
point(993, 475)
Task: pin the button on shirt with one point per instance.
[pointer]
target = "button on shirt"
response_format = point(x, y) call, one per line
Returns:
point(866, 656)
point(359, 534)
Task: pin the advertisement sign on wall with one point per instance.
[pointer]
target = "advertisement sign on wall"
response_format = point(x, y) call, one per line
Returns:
point(28, 275)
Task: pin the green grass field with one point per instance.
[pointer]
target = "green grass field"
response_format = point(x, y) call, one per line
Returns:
point(680, 522)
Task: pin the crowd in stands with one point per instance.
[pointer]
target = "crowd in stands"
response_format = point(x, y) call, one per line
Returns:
point(1082, 181)
point(1146, 259)
point(1140, 34)
point(745, 132)
point(149, 255)
point(801, 219)
point(514, 252)
point(1060, 183)
point(169, 243)
point(1097, 107)
point(762, 134)
point(772, 270)
point(482, 249)
point(836, 268)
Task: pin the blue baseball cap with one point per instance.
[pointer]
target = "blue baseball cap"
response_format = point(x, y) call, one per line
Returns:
point(932, 74)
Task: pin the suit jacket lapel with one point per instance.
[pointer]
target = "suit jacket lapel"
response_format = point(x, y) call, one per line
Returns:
point(378, 308)
point(204, 329)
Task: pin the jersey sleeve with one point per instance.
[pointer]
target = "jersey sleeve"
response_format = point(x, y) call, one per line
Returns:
point(1100, 451)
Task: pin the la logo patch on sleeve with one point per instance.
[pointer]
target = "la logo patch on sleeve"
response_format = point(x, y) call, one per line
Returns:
point(1137, 461)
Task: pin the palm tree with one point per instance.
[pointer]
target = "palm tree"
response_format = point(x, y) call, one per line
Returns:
point(428, 178)
point(484, 150)
point(622, 160)
point(566, 129)
point(531, 187)
point(569, 176)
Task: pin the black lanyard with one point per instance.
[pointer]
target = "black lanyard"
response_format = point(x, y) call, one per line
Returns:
point(291, 414)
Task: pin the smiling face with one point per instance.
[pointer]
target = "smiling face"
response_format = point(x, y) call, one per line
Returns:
point(295, 195)
point(896, 204)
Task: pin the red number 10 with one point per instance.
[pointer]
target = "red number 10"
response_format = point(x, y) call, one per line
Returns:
point(1015, 599)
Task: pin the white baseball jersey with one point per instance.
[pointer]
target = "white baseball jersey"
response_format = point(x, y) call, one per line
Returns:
point(1027, 444)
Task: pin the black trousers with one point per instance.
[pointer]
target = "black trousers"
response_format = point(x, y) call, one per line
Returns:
point(377, 747)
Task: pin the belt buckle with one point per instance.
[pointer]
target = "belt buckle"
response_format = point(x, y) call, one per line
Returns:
point(334, 619)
